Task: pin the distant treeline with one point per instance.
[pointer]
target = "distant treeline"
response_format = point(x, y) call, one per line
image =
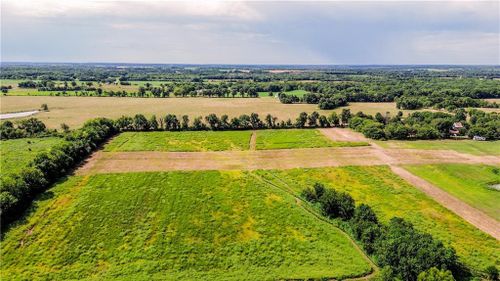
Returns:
point(402, 252)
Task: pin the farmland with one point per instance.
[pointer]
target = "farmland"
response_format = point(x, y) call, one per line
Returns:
point(180, 141)
point(463, 146)
point(286, 139)
point(175, 225)
point(17, 153)
point(470, 183)
point(390, 196)
point(62, 109)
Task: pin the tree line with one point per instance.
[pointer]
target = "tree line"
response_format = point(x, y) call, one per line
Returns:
point(18, 190)
point(428, 125)
point(402, 252)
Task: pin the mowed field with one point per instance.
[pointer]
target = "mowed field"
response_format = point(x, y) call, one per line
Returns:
point(472, 184)
point(296, 138)
point(175, 225)
point(74, 111)
point(17, 153)
point(464, 146)
point(223, 140)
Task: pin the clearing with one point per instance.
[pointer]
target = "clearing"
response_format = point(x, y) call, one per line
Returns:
point(176, 225)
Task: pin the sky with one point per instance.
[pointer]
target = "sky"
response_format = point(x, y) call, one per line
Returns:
point(230, 32)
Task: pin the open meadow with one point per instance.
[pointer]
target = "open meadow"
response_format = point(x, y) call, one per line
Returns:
point(473, 184)
point(294, 138)
point(74, 111)
point(16, 154)
point(175, 225)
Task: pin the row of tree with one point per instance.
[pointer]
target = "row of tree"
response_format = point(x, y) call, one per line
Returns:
point(26, 128)
point(18, 190)
point(403, 252)
point(449, 103)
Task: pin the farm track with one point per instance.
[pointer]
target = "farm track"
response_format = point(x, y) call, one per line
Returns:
point(143, 161)
point(304, 205)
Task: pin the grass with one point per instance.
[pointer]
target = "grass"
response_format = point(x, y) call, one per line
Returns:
point(297, 138)
point(18, 153)
point(298, 93)
point(180, 141)
point(469, 183)
point(74, 111)
point(391, 196)
point(463, 146)
point(174, 226)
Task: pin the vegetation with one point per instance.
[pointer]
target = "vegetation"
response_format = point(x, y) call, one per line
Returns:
point(463, 146)
point(473, 184)
point(177, 225)
point(180, 141)
point(428, 125)
point(397, 245)
point(389, 196)
point(293, 138)
point(18, 189)
point(17, 154)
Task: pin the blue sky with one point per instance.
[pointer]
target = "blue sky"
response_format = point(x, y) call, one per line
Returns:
point(336, 32)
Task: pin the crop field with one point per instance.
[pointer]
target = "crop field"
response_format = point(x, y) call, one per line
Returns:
point(175, 225)
point(463, 146)
point(391, 196)
point(180, 141)
point(63, 109)
point(17, 153)
point(472, 184)
point(286, 139)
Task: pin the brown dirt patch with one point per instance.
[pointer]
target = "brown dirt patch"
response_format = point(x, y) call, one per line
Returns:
point(339, 134)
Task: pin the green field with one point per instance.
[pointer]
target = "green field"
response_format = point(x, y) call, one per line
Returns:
point(463, 146)
point(296, 138)
point(17, 153)
point(391, 196)
point(175, 226)
point(469, 183)
point(180, 141)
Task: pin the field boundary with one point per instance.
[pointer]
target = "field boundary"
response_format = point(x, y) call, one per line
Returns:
point(470, 214)
point(302, 204)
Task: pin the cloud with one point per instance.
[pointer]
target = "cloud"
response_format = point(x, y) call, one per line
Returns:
point(358, 32)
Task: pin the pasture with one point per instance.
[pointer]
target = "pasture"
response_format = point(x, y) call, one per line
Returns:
point(175, 225)
point(16, 154)
point(391, 196)
point(463, 146)
point(293, 138)
point(74, 111)
point(469, 183)
point(180, 141)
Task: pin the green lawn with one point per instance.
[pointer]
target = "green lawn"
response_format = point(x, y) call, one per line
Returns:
point(297, 138)
point(174, 226)
point(17, 153)
point(180, 141)
point(469, 183)
point(464, 146)
point(391, 196)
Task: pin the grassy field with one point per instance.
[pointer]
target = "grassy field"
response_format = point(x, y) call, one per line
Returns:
point(391, 196)
point(174, 226)
point(17, 153)
point(281, 139)
point(469, 183)
point(463, 146)
point(180, 141)
point(74, 111)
